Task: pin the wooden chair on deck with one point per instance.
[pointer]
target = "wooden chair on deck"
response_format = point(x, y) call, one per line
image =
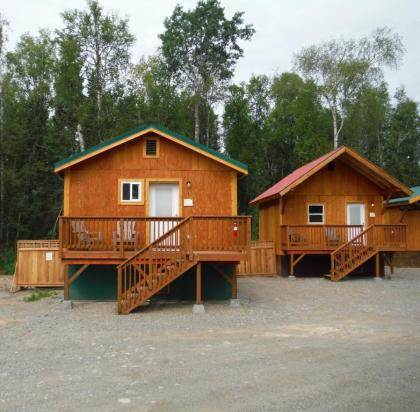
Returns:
point(85, 237)
point(332, 236)
point(128, 236)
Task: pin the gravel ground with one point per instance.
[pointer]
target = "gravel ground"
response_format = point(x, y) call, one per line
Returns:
point(304, 344)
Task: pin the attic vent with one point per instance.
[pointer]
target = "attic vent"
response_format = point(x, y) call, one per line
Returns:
point(331, 166)
point(151, 147)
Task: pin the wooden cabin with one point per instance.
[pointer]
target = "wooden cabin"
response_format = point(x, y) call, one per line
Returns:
point(151, 212)
point(331, 216)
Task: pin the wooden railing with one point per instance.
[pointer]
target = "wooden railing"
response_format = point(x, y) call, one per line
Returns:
point(330, 237)
point(169, 256)
point(391, 237)
point(317, 237)
point(112, 233)
point(352, 254)
point(208, 233)
point(154, 266)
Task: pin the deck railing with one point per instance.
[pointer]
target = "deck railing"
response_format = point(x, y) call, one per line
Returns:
point(208, 233)
point(330, 237)
point(317, 237)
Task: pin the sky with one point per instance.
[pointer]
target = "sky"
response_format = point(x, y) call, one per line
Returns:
point(282, 27)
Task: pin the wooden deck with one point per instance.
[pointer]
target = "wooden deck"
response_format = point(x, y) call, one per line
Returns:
point(324, 239)
point(113, 240)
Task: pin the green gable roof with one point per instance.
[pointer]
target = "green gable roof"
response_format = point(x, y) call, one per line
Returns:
point(146, 126)
point(407, 199)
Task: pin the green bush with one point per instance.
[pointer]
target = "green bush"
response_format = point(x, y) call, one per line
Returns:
point(7, 261)
point(39, 295)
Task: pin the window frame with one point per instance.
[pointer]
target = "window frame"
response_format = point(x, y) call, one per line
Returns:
point(316, 214)
point(139, 201)
point(147, 139)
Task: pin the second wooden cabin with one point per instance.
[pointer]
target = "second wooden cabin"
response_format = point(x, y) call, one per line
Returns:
point(333, 215)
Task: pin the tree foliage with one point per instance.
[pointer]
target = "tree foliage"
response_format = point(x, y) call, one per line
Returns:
point(62, 91)
point(201, 48)
point(343, 68)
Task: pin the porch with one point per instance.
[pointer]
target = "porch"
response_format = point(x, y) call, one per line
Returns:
point(112, 240)
point(324, 239)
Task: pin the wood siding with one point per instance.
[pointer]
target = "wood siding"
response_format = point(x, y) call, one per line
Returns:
point(334, 189)
point(93, 188)
point(260, 261)
point(33, 269)
point(409, 217)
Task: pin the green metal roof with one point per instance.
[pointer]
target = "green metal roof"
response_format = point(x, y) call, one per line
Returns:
point(158, 127)
point(407, 199)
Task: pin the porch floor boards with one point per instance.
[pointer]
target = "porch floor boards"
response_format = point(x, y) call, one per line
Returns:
point(115, 258)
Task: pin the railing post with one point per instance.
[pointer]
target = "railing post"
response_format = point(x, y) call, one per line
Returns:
point(121, 237)
point(119, 292)
point(60, 236)
point(332, 270)
point(190, 237)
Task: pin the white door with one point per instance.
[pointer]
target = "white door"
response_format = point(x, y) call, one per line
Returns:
point(356, 215)
point(163, 202)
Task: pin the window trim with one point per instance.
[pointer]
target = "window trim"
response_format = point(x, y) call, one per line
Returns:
point(131, 202)
point(317, 214)
point(156, 139)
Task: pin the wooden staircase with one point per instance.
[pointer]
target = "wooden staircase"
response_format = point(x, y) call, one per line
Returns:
point(352, 254)
point(155, 266)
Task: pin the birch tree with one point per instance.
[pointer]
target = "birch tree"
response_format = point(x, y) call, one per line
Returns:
point(104, 42)
point(343, 68)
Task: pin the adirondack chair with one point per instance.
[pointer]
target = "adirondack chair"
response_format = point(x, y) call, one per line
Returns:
point(85, 237)
point(128, 236)
point(332, 236)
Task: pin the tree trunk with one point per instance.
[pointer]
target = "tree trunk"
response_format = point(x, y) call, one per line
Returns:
point(197, 121)
point(334, 116)
point(208, 126)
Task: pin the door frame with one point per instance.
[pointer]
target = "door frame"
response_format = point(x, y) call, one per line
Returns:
point(163, 181)
point(356, 203)
point(346, 217)
point(147, 199)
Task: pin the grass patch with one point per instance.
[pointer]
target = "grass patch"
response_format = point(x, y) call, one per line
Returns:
point(39, 295)
point(7, 261)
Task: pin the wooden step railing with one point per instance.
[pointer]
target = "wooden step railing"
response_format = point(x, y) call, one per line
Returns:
point(172, 254)
point(352, 254)
point(155, 266)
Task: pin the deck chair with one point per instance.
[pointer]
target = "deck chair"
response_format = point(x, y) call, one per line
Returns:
point(128, 235)
point(332, 236)
point(85, 237)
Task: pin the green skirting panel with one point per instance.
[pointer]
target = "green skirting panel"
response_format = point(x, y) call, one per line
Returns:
point(99, 282)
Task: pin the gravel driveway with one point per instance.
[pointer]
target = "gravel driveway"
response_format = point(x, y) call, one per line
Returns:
point(305, 344)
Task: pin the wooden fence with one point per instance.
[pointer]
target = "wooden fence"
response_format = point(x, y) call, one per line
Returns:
point(38, 264)
point(261, 260)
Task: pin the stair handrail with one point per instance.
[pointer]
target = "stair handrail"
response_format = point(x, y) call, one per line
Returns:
point(159, 239)
point(353, 239)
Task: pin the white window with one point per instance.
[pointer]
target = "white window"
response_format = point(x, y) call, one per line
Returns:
point(131, 191)
point(316, 214)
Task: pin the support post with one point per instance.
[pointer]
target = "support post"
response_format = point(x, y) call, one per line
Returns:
point(234, 282)
point(377, 266)
point(119, 290)
point(66, 283)
point(391, 263)
point(198, 285)
point(292, 266)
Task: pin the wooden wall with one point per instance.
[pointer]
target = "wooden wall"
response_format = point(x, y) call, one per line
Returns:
point(261, 260)
point(38, 264)
point(92, 187)
point(412, 219)
point(335, 190)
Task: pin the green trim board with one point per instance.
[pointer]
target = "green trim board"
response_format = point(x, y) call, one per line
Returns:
point(74, 158)
point(407, 200)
